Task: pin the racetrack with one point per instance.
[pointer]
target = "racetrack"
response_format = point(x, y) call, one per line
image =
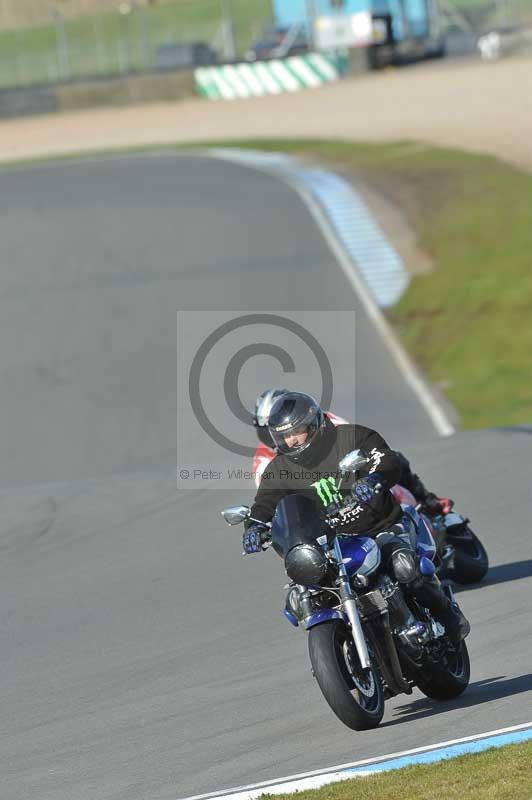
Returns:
point(141, 657)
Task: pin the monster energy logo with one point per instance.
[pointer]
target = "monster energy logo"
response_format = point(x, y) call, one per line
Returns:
point(327, 490)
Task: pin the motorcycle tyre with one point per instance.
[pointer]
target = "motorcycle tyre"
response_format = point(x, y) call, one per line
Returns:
point(440, 683)
point(467, 568)
point(330, 670)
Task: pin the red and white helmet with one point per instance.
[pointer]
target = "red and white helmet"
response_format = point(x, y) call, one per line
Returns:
point(263, 406)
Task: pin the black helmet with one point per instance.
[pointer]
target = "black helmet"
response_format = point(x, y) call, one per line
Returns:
point(295, 412)
point(263, 406)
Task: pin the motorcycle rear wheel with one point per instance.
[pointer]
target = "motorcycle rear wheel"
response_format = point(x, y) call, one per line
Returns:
point(355, 695)
point(447, 680)
point(470, 558)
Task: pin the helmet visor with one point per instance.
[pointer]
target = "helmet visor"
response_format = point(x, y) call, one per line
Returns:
point(294, 440)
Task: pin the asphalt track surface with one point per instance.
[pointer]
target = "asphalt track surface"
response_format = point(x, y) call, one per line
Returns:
point(141, 657)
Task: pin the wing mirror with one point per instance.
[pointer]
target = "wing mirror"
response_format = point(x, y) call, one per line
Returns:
point(352, 462)
point(235, 515)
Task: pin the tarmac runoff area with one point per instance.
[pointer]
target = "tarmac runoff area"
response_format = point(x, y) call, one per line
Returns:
point(134, 663)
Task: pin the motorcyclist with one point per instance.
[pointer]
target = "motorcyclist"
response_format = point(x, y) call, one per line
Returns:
point(431, 504)
point(266, 449)
point(309, 448)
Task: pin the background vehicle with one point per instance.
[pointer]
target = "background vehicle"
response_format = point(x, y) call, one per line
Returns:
point(386, 32)
point(184, 55)
point(368, 638)
point(279, 41)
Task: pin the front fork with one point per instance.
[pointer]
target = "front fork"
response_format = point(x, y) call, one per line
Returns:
point(350, 607)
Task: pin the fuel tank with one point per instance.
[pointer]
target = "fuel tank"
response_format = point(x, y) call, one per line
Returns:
point(361, 554)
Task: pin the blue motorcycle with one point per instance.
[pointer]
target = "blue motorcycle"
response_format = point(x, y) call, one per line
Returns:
point(369, 638)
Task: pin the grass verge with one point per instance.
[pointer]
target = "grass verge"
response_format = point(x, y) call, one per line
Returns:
point(498, 774)
point(468, 323)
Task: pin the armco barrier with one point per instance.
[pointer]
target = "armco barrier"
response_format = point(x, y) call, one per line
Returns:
point(118, 91)
point(259, 78)
point(26, 101)
point(126, 90)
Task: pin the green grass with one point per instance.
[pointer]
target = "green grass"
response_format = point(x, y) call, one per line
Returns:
point(468, 323)
point(111, 43)
point(497, 774)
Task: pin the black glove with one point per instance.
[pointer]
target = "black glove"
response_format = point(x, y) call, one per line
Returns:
point(255, 539)
point(365, 489)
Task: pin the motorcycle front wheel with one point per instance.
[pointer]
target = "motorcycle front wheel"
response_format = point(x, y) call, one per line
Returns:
point(354, 694)
point(470, 558)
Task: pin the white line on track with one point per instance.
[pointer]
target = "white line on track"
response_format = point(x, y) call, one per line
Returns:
point(291, 173)
point(318, 778)
point(405, 364)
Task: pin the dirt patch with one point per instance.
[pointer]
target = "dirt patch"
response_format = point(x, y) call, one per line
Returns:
point(466, 104)
point(476, 106)
point(386, 203)
point(396, 228)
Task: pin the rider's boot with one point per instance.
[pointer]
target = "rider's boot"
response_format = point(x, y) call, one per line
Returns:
point(448, 613)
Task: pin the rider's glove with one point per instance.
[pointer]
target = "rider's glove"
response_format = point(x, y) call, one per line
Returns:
point(255, 539)
point(365, 489)
point(434, 506)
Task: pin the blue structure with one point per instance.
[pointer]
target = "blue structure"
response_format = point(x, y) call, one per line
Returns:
point(298, 10)
point(414, 26)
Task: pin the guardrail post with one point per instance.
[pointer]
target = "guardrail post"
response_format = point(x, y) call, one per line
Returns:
point(63, 56)
point(228, 35)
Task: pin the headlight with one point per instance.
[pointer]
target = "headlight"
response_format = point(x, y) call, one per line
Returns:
point(306, 564)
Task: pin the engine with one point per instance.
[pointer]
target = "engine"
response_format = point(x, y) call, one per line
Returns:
point(412, 633)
